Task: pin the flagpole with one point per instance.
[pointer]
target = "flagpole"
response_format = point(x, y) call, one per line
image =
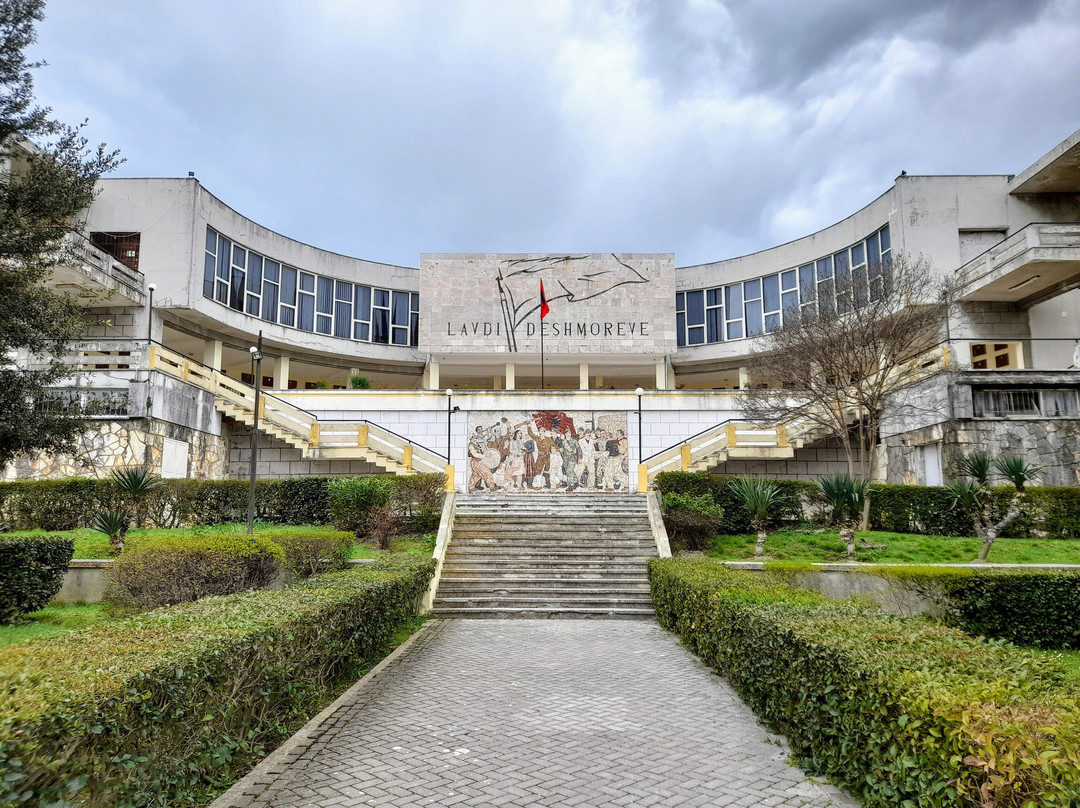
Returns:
point(542, 384)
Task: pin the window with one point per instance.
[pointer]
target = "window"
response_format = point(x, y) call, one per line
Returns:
point(124, 247)
point(262, 287)
point(1038, 402)
point(996, 356)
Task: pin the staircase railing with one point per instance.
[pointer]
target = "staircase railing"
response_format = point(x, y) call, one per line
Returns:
point(341, 438)
point(723, 436)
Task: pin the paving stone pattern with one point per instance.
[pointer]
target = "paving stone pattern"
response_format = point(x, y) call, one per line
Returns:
point(548, 713)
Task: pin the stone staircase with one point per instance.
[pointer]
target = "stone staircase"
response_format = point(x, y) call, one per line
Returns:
point(548, 555)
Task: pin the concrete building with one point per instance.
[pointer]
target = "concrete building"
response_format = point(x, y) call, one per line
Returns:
point(180, 287)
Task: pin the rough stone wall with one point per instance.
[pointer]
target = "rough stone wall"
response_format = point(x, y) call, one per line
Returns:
point(1055, 443)
point(278, 459)
point(121, 443)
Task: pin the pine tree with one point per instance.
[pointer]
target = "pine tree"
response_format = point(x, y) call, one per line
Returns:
point(47, 176)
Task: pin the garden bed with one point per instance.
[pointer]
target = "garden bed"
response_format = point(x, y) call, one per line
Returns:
point(169, 705)
point(893, 708)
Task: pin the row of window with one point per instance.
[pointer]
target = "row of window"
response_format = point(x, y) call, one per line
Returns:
point(254, 284)
point(830, 285)
point(1042, 402)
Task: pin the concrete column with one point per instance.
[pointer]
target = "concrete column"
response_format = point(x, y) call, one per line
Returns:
point(496, 382)
point(430, 380)
point(598, 382)
point(212, 353)
point(281, 373)
point(744, 378)
point(510, 376)
point(583, 375)
point(661, 376)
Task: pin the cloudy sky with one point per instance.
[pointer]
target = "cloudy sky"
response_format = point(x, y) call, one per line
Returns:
point(707, 128)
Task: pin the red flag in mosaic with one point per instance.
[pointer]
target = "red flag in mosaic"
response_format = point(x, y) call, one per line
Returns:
point(544, 307)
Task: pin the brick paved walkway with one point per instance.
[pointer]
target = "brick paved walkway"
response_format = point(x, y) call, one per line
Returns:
point(552, 713)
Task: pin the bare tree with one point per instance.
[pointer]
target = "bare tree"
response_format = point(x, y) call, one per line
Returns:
point(835, 368)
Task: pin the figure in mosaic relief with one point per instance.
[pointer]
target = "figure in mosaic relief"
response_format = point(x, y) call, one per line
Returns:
point(544, 445)
point(480, 471)
point(514, 465)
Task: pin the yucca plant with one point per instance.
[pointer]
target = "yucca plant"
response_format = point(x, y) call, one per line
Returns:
point(134, 484)
point(114, 524)
point(972, 492)
point(846, 495)
point(758, 497)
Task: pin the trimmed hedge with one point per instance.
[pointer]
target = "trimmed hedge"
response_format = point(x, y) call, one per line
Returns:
point(31, 572)
point(795, 497)
point(901, 711)
point(1050, 512)
point(71, 503)
point(170, 570)
point(1029, 607)
point(164, 707)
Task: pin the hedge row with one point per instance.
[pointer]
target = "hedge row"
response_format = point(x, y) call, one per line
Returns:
point(161, 708)
point(31, 572)
point(899, 710)
point(1053, 512)
point(1029, 607)
point(71, 503)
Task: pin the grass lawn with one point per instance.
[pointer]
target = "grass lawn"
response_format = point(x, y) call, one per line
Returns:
point(413, 544)
point(824, 545)
point(54, 619)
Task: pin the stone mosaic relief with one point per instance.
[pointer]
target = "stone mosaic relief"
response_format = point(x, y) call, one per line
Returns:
point(548, 450)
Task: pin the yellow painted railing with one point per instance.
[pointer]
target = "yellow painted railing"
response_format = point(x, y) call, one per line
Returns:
point(302, 429)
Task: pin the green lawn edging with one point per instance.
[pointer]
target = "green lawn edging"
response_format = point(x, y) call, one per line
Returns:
point(901, 711)
point(163, 707)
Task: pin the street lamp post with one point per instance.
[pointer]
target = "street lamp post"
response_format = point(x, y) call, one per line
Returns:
point(151, 288)
point(449, 401)
point(256, 355)
point(639, 393)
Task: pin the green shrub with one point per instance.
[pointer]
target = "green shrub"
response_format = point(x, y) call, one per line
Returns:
point(301, 501)
point(54, 504)
point(161, 708)
point(308, 555)
point(31, 572)
point(1035, 607)
point(900, 711)
point(170, 570)
point(353, 498)
point(691, 521)
point(419, 498)
point(789, 507)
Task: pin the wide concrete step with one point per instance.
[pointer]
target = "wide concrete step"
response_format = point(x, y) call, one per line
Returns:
point(548, 613)
point(555, 589)
point(542, 602)
point(548, 572)
point(553, 550)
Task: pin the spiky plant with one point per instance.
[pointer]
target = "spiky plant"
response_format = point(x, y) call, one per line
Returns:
point(759, 497)
point(134, 484)
point(846, 496)
point(975, 465)
point(973, 492)
point(114, 524)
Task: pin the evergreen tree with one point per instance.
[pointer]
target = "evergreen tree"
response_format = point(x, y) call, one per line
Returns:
point(47, 176)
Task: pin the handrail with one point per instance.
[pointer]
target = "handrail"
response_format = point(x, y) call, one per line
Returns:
point(286, 416)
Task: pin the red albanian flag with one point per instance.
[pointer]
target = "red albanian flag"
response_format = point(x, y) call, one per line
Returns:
point(544, 307)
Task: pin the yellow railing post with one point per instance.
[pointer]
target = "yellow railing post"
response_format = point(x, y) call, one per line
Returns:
point(730, 435)
point(315, 434)
point(362, 435)
point(185, 370)
point(151, 360)
point(642, 478)
point(781, 436)
point(449, 479)
point(686, 457)
point(407, 456)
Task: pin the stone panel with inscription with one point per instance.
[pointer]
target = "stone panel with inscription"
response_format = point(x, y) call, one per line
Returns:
point(600, 304)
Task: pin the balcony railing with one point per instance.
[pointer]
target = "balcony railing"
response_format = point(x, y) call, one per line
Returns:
point(1039, 260)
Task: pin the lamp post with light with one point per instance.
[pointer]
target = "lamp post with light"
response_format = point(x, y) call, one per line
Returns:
point(256, 356)
point(639, 392)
